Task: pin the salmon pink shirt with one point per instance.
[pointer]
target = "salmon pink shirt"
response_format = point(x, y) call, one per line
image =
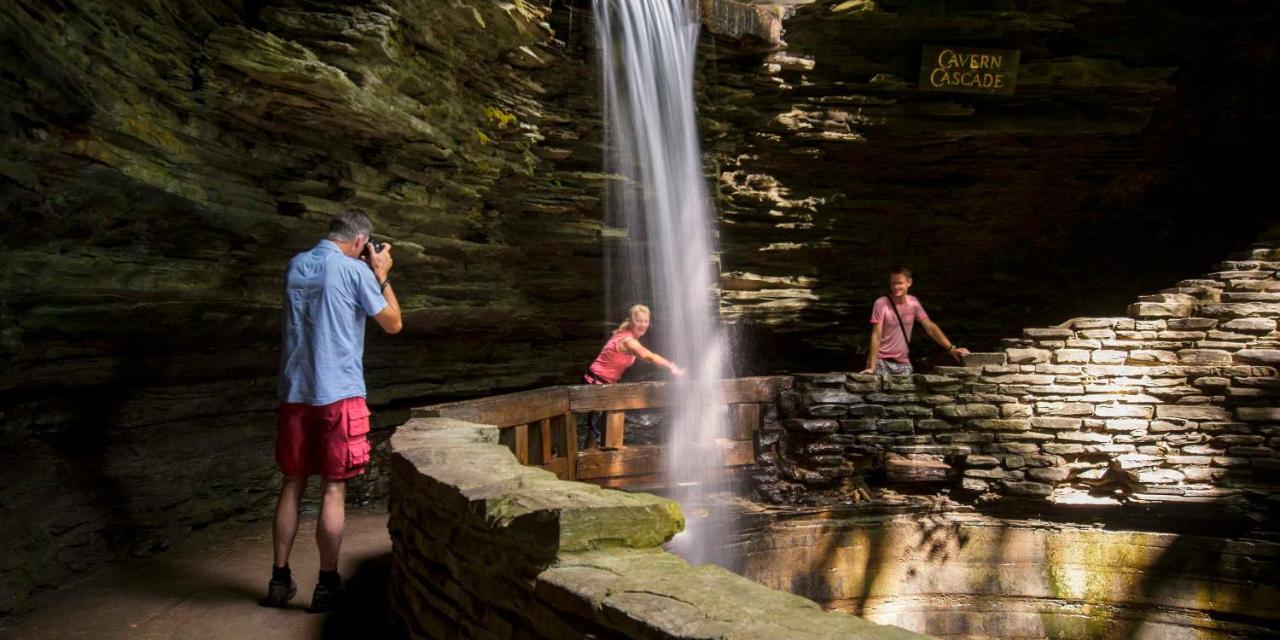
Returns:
point(612, 362)
point(892, 345)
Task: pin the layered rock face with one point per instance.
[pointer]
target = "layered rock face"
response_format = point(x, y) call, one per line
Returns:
point(1126, 129)
point(162, 162)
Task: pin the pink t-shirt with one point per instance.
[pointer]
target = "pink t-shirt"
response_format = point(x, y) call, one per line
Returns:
point(892, 345)
point(612, 362)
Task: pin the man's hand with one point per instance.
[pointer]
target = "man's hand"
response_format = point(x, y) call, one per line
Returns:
point(380, 261)
point(677, 371)
point(868, 370)
point(958, 353)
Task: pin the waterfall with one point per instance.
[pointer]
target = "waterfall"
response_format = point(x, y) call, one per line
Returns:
point(647, 55)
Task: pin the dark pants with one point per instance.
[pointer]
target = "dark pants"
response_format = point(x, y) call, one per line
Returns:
point(595, 419)
point(595, 427)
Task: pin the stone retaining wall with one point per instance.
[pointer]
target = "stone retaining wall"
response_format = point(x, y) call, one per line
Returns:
point(484, 547)
point(1177, 402)
point(963, 575)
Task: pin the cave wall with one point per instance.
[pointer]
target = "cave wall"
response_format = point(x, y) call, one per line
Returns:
point(160, 164)
point(1116, 166)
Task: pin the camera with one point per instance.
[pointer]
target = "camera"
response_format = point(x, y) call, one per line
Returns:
point(375, 245)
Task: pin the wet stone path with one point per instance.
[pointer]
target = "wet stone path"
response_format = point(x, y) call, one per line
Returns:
point(208, 585)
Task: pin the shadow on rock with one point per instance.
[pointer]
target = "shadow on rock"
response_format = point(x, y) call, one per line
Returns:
point(365, 613)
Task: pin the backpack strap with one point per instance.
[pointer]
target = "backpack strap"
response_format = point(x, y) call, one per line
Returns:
point(901, 327)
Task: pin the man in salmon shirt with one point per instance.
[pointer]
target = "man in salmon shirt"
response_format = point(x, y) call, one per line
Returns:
point(323, 420)
point(892, 319)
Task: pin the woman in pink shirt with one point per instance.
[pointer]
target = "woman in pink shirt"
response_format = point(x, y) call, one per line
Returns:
point(617, 355)
point(892, 319)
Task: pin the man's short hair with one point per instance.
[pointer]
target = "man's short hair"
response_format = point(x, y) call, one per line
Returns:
point(350, 223)
point(900, 271)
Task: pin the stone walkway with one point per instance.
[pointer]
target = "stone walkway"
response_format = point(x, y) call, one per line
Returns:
point(208, 585)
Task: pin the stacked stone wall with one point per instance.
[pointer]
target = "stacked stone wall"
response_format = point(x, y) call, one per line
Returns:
point(484, 547)
point(1176, 402)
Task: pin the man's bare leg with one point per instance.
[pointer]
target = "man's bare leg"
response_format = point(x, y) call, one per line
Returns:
point(285, 528)
point(333, 505)
point(282, 588)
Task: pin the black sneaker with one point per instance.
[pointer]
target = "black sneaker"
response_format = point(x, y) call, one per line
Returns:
point(325, 599)
point(279, 593)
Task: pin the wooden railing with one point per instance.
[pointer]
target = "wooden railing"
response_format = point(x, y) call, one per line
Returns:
point(540, 426)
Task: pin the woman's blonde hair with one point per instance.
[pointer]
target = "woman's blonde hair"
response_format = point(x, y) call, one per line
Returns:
point(626, 324)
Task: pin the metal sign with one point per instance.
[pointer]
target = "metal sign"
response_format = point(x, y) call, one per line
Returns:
point(965, 70)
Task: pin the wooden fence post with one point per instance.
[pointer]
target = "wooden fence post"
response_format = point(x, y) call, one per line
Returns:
point(522, 443)
point(613, 428)
point(571, 445)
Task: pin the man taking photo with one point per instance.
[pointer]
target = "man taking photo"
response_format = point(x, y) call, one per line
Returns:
point(323, 420)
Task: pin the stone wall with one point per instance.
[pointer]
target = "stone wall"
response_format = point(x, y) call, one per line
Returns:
point(1178, 402)
point(963, 575)
point(484, 547)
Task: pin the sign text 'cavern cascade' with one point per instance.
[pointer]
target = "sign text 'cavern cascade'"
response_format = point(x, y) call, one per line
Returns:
point(990, 71)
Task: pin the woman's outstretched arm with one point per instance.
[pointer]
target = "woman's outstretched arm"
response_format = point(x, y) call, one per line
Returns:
point(638, 350)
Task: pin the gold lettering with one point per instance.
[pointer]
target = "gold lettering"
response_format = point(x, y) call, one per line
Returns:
point(976, 72)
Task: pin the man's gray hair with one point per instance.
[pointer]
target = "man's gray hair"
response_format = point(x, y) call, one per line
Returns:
point(349, 224)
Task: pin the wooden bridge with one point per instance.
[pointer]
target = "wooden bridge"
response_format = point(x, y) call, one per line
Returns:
point(541, 428)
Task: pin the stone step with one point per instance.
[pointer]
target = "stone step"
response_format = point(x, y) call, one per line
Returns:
point(1247, 265)
point(1078, 324)
point(1241, 310)
point(1260, 251)
point(1199, 282)
point(1152, 310)
point(983, 358)
point(1203, 294)
point(1251, 296)
point(901, 468)
point(1254, 285)
point(1241, 275)
point(1251, 325)
point(1048, 333)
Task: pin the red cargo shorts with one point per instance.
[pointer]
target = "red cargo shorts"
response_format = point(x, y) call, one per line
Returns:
point(329, 440)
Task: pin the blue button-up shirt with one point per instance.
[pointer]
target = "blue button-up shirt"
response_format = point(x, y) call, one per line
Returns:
point(327, 297)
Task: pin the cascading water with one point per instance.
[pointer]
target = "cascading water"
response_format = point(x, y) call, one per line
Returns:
point(647, 55)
